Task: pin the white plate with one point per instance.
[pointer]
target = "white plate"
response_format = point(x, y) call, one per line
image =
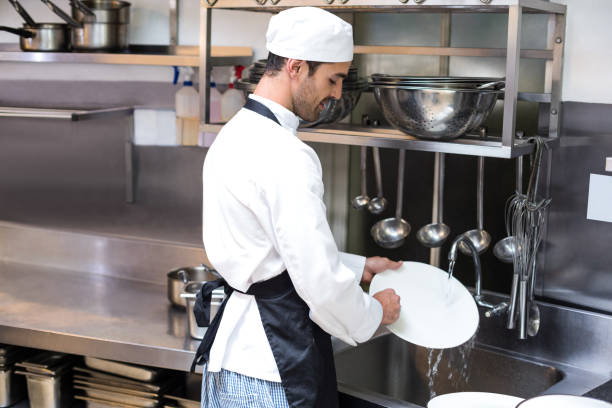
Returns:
point(474, 400)
point(564, 401)
point(436, 312)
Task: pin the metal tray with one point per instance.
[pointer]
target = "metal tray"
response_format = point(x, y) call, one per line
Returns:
point(12, 388)
point(184, 402)
point(116, 389)
point(113, 380)
point(113, 383)
point(99, 403)
point(125, 370)
point(118, 397)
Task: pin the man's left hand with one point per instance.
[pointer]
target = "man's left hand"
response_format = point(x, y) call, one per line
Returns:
point(375, 265)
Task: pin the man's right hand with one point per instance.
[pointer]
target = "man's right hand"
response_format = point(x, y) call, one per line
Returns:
point(390, 303)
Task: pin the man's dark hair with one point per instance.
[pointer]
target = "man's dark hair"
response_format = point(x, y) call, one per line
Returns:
point(276, 63)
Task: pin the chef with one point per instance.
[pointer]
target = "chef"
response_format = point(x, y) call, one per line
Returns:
point(265, 231)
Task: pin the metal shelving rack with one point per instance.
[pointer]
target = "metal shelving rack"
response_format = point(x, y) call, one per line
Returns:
point(157, 55)
point(502, 146)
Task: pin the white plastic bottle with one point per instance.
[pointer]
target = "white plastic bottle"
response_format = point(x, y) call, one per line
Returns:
point(187, 104)
point(231, 102)
point(215, 104)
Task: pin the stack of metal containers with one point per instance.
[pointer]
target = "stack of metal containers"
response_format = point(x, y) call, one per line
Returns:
point(335, 109)
point(103, 383)
point(48, 379)
point(12, 387)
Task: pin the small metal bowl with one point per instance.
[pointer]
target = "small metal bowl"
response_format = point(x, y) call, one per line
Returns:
point(434, 113)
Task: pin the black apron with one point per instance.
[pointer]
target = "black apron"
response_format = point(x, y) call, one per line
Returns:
point(301, 349)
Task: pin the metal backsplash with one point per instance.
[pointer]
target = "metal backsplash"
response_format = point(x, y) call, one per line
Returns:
point(578, 263)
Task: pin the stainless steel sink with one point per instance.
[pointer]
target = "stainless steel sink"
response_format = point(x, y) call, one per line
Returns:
point(393, 368)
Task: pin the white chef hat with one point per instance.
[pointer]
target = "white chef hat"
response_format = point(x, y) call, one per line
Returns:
point(311, 34)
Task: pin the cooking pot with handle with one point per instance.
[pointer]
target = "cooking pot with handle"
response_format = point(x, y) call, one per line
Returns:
point(101, 11)
point(47, 37)
point(91, 35)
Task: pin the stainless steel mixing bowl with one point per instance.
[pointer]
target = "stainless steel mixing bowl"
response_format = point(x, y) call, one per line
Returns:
point(335, 109)
point(434, 113)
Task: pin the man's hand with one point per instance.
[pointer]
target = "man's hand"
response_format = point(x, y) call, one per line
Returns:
point(375, 265)
point(390, 303)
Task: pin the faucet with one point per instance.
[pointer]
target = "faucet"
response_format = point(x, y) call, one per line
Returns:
point(492, 310)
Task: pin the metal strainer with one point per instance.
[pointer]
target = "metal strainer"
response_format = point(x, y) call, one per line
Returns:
point(434, 113)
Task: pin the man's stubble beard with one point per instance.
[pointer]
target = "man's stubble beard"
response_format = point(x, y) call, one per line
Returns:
point(304, 103)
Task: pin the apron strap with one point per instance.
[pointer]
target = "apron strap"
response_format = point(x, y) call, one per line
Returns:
point(258, 107)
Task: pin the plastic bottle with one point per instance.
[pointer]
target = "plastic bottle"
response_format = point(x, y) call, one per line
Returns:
point(231, 102)
point(187, 104)
point(215, 103)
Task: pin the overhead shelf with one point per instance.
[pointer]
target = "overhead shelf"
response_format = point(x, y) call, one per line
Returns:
point(67, 114)
point(392, 138)
point(160, 55)
point(499, 6)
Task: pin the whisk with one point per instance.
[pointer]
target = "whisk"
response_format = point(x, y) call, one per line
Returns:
point(528, 218)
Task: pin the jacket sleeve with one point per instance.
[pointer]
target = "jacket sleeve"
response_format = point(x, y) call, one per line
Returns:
point(303, 239)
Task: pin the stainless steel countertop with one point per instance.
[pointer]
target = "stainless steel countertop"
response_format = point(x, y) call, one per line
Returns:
point(93, 315)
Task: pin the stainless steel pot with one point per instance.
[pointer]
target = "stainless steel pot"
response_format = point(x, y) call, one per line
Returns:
point(48, 37)
point(100, 37)
point(179, 278)
point(90, 34)
point(191, 291)
point(101, 11)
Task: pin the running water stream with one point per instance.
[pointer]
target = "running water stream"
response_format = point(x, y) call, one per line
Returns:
point(458, 365)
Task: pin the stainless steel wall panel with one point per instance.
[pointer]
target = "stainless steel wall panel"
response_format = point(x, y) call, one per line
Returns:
point(578, 266)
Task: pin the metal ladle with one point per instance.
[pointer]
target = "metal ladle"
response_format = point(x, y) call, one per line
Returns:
point(362, 200)
point(504, 249)
point(433, 235)
point(479, 237)
point(379, 203)
point(391, 232)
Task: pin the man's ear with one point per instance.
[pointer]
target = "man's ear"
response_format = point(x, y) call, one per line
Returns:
point(294, 66)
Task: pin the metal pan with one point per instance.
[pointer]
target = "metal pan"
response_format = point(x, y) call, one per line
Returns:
point(46, 37)
point(101, 11)
point(122, 369)
point(179, 278)
point(100, 403)
point(183, 402)
point(118, 397)
point(49, 37)
point(115, 389)
point(93, 35)
point(113, 380)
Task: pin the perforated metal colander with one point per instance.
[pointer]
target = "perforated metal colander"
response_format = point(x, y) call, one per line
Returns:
point(434, 113)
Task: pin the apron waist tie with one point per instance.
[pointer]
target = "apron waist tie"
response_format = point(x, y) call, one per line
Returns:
point(265, 289)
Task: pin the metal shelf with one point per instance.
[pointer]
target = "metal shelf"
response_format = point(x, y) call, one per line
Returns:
point(395, 139)
point(499, 6)
point(66, 114)
point(160, 55)
point(503, 145)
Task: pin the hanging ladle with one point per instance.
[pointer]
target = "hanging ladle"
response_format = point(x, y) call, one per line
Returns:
point(504, 249)
point(362, 199)
point(391, 232)
point(479, 237)
point(433, 235)
point(377, 204)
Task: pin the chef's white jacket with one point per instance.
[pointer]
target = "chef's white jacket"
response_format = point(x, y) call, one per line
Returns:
point(263, 213)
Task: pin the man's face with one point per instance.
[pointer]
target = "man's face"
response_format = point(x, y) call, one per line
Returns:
point(312, 91)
